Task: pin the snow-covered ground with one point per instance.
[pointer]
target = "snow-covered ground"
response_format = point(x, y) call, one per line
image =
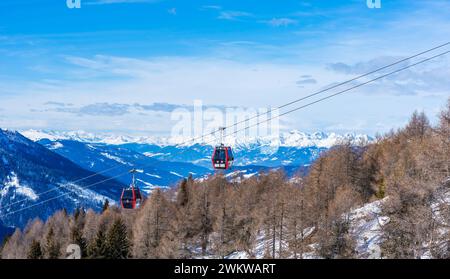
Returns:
point(365, 228)
point(262, 246)
point(79, 193)
point(366, 223)
point(115, 158)
point(177, 174)
point(56, 145)
point(153, 175)
point(13, 185)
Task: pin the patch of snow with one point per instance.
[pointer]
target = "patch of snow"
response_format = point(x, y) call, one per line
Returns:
point(115, 158)
point(177, 174)
point(36, 135)
point(153, 175)
point(366, 225)
point(84, 193)
point(249, 175)
point(148, 188)
point(90, 146)
point(56, 145)
point(239, 255)
point(13, 184)
point(149, 154)
point(145, 182)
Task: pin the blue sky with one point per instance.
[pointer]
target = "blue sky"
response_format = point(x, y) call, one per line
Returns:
point(97, 67)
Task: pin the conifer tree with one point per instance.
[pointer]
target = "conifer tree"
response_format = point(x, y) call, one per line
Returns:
point(98, 247)
point(52, 246)
point(105, 205)
point(35, 251)
point(76, 213)
point(182, 194)
point(78, 238)
point(118, 244)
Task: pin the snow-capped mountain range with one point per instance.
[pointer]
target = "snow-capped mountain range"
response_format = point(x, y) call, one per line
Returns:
point(285, 150)
point(293, 138)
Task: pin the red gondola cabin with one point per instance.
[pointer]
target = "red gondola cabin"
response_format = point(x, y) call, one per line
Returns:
point(222, 158)
point(131, 197)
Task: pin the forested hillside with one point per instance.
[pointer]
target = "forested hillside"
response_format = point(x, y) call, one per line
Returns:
point(407, 171)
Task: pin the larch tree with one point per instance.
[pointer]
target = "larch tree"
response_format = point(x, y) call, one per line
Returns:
point(298, 221)
point(13, 248)
point(201, 217)
point(152, 224)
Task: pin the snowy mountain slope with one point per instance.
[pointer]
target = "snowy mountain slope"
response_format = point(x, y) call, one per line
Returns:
point(118, 160)
point(31, 174)
point(254, 154)
point(151, 172)
point(366, 223)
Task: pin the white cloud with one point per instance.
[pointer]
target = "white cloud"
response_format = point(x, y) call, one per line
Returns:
point(104, 103)
point(233, 15)
point(425, 79)
point(277, 22)
point(211, 7)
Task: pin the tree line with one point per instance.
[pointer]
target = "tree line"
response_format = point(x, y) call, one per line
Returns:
point(408, 169)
